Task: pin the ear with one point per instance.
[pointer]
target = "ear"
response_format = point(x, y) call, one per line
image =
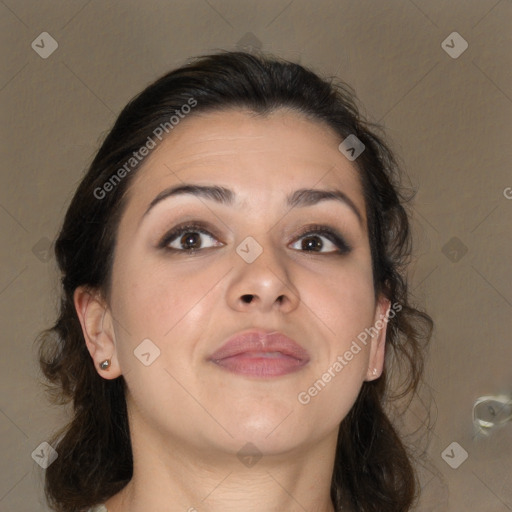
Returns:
point(98, 330)
point(378, 343)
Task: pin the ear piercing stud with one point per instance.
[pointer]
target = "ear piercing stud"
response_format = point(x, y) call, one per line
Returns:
point(105, 365)
point(374, 371)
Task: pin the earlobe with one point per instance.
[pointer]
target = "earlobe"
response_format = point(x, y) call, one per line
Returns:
point(378, 343)
point(97, 328)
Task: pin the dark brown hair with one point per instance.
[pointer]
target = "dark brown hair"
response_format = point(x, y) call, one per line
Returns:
point(373, 471)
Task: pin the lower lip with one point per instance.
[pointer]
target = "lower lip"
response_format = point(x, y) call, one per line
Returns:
point(261, 366)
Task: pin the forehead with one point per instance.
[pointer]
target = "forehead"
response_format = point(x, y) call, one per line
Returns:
point(256, 156)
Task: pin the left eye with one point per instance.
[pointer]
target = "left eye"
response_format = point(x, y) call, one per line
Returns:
point(320, 242)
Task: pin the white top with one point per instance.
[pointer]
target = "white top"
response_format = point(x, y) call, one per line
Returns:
point(98, 508)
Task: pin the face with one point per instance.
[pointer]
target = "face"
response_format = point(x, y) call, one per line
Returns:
point(193, 269)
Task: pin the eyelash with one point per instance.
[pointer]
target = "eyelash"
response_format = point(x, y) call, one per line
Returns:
point(315, 229)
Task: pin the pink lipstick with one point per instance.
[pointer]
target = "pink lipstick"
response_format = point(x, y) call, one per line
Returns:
point(260, 353)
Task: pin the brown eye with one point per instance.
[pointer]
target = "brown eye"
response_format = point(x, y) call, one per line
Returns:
point(321, 240)
point(189, 239)
point(315, 243)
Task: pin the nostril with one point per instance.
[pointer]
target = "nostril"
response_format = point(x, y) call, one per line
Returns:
point(247, 298)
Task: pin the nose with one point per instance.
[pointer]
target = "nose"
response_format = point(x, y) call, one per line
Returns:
point(264, 285)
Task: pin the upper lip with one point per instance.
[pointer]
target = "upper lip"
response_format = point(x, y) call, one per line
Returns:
point(257, 341)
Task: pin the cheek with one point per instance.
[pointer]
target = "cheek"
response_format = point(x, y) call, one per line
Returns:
point(156, 295)
point(343, 301)
point(169, 307)
point(163, 303)
point(345, 307)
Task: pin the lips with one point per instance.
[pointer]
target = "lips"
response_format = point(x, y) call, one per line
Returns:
point(260, 353)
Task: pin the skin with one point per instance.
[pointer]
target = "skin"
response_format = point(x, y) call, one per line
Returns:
point(188, 417)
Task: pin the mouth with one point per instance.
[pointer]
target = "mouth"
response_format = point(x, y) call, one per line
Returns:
point(259, 353)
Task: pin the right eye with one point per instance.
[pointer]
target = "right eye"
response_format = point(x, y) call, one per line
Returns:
point(189, 239)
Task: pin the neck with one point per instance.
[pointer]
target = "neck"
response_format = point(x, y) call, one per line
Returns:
point(170, 477)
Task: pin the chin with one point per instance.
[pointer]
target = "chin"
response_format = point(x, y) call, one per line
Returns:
point(268, 432)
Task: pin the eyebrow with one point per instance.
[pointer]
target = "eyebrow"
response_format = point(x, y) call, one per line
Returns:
point(221, 195)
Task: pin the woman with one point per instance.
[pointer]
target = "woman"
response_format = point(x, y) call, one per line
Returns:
point(233, 302)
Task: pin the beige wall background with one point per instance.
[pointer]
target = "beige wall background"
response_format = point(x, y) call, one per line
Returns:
point(447, 114)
